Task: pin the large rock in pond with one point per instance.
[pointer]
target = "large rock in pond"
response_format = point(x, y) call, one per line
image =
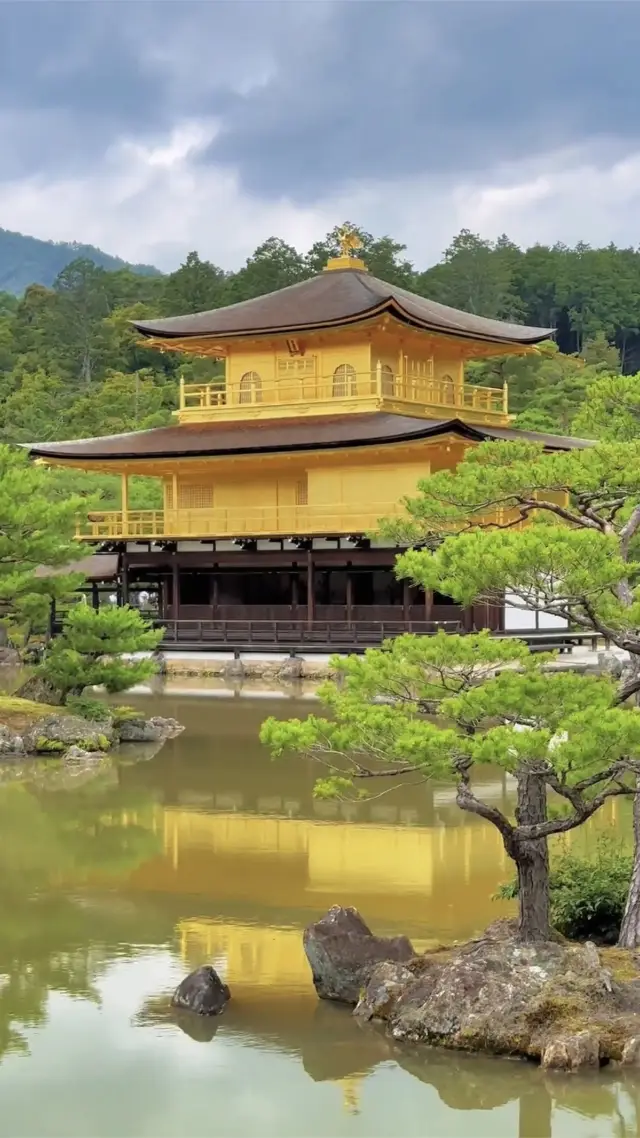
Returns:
point(202, 992)
point(342, 952)
point(553, 1001)
point(154, 730)
point(54, 734)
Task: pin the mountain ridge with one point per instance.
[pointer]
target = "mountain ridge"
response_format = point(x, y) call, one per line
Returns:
point(26, 260)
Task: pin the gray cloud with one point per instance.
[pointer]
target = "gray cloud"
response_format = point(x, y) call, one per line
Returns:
point(312, 96)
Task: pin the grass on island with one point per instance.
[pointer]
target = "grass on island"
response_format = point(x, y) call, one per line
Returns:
point(20, 714)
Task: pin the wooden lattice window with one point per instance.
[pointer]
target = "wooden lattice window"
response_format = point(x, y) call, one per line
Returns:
point(250, 388)
point(302, 492)
point(420, 369)
point(192, 496)
point(296, 367)
point(344, 381)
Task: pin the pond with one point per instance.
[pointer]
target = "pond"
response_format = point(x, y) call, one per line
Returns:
point(112, 889)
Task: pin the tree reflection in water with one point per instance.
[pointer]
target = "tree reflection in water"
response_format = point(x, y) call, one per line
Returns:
point(50, 941)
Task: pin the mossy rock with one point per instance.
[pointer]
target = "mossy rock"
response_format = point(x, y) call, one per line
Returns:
point(499, 996)
point(57, 732)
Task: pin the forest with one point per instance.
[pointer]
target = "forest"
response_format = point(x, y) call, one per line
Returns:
point(71, 365)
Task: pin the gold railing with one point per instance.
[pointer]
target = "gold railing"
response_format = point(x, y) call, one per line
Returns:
point(211, 400)
point(235, 522)
point(232, 522)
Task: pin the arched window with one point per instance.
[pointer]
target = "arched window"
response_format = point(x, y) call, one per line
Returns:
point(344, 381)
point(448, 390)
point(250, 388)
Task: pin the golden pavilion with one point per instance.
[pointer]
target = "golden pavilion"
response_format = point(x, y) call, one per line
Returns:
point(339, 393)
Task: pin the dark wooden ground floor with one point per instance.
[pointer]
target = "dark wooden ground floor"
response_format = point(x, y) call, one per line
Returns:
point(326, 591)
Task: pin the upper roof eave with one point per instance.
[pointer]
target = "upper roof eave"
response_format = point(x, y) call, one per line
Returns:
point(390, 307)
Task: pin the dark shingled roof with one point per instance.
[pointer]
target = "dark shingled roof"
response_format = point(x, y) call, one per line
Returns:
point(277, 435)
point(339, 297)
point(97, 567)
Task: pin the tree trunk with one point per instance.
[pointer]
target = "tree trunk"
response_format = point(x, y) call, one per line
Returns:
point(532, 861)
point(630, 929)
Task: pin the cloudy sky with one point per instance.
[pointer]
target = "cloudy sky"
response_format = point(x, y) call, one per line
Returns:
point(154, 128)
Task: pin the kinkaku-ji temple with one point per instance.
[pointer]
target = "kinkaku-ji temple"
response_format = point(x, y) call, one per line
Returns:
point(339, 394)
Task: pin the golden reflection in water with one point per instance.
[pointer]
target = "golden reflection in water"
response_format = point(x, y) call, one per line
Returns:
point(422, 878)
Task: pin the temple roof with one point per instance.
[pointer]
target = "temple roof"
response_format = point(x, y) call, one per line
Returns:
point(336, 299)
point(97, 567)
point(265, 436)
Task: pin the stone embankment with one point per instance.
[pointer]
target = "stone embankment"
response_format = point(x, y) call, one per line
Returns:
point(278, 668)
point(275, 669)
point(566, 1005)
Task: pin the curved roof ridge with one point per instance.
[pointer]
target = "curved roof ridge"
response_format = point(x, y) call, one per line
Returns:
point(340, 297)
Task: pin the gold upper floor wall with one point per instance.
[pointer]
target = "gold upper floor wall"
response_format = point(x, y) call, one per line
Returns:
point(322, 493)
point(378, 367)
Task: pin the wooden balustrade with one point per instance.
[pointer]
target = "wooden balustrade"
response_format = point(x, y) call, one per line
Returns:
point(208, 401)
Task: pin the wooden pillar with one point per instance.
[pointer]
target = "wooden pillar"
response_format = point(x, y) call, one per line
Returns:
point(175, 587)
point(310, 589)
point(162, 596)
point(349, 597)
point(405, 601)
point(295, 593)
point(95, 596)
point(124, 494)
point(214, 592)
point(428, 604)
point(174, 504)
point(124, 576)
point(467, 619)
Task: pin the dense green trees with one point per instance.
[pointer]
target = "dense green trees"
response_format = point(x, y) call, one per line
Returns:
point(71, 364)
point(37, 530)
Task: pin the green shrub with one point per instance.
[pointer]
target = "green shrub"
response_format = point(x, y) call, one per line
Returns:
point(587, 894)
point(88, 708)
point(122, 714)
point(45, 746)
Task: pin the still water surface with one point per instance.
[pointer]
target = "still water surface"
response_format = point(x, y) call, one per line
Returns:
point(112, 889)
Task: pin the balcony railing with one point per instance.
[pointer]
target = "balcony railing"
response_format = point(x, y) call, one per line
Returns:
point(208, 401)
point(234, 522)
point(222, 521)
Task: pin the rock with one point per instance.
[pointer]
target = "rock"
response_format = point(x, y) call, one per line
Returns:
point(10, 742)
point(572, 1052)
point(501, 996)
point(291, 670)
point(203, 992)
point(9, 657)
point(631, 1052)
point(609, 665)
point(40, 691)
point(56, 733)
point(139, 730)
point(386, 984)
point(233, 670)
point(342, 952)
point(76, 754)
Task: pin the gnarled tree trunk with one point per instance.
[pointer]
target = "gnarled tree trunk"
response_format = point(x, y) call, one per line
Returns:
point(532, 860)
point(630, 929)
